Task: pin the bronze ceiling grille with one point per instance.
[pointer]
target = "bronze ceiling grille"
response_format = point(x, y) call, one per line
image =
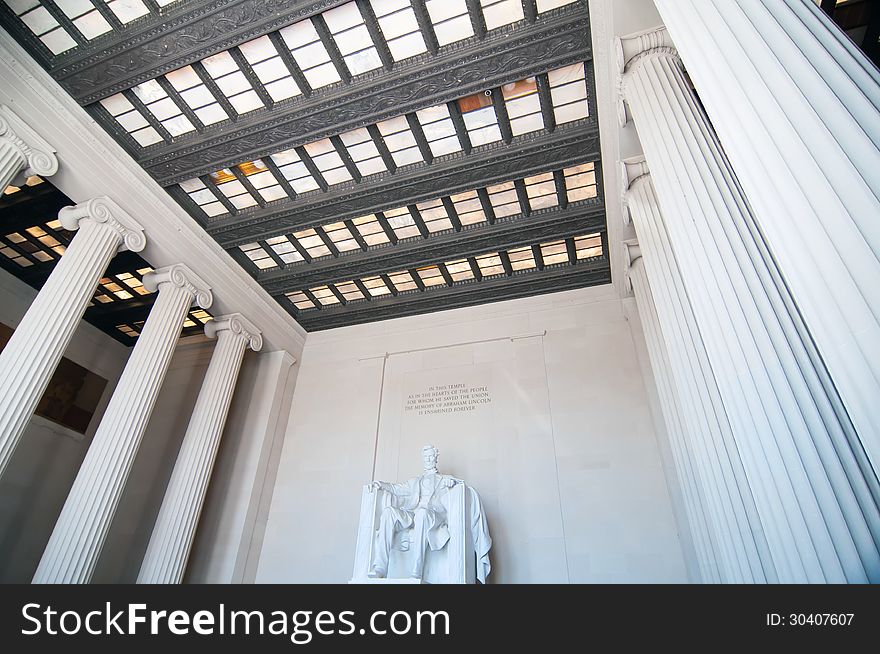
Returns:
point(361, 159)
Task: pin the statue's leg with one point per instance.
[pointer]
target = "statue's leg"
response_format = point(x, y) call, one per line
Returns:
point(379, 564)
point(420, 541)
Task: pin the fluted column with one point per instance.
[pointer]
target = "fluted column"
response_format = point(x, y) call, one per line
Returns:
point(76, 542)
point(796, 106)
point(22, 151)
point(815, 501)
point(175, 527)
point(740, 550)
point(32, 354)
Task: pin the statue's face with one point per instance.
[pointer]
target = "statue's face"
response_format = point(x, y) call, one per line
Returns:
point(430, 458)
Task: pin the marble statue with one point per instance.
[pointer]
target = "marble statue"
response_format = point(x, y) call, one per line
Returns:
point(434, 521)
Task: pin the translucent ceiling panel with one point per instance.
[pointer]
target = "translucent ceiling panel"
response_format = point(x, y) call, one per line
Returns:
point(399, 140)
point(349, 291)
point(43, 25)
point(490, 264)
point(547, 5)
point(327, 160)
point(469, 208)
point(402, 222)
point(295, 171)
point(434, 215)
point(268, 66)
point(501, 12)
point(431, 276)
point(523, 106)
point(310, 54)
point(285, 249)
point(131, 120)
point(439, 130)
point(341, 237)
point(128, 10)
point(450, 19)
point(479, 118)
point(312, 243)
point(352, 38)
point(522, 258)
point(300, 301)
point(460, 270)
point(85, 16)
point(541, 190)
point(229, 185)
point(370, 230)
point(203, 197)
point(375, 286)
point(232, 82)
point(399, 27)
point(260, 177)
point(580, 182)
point(554, 253)
point(568, 91)
point(258, 256)
point(196, 95)
point(363, 151)
point(163, 108)
point(504, 199)
point(588, 246)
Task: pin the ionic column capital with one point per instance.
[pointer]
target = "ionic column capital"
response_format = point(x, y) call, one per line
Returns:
point(238, 325)
point(632, 172)
point(181, 276)
point(105, 211)
point(629, 50)
point(631, 253)
point(40, 156)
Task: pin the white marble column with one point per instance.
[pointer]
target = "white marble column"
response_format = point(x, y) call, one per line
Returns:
point(175, 527)
point(32, 354)
point(796, 106)
point(22, 151)
point(79, 534)
point(814, 501)
point(740, 549)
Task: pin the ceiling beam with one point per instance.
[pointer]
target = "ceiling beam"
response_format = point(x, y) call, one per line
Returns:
point(542, 226)
point(590, 272)
point(179, 36)
point(497, 162)
point(506, 55)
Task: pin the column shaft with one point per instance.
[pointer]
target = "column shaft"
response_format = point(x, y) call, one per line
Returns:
point(797, 108)
point(79, 534)
point(32, 354)
point(175, 527)
point(815, 505)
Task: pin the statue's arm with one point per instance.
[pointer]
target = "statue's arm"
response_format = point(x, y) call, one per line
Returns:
point(398, 490)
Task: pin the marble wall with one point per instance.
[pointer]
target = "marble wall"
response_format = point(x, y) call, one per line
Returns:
point(564, 452)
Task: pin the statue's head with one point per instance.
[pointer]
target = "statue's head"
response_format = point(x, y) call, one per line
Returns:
point(429, 456)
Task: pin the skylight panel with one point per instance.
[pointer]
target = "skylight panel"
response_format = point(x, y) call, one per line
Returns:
point(341, 237)
point(468, 207)
point(588, 246)
point(203, 197)
point(450, 19)
point(285, 249)
point(363, 151)
point(43, 25)
point(258, 255)
point(523, 106)
point(131, 120)
point(324, 295)
point(541, 190)
point(312, 243)
point(33, 180)
point(310, 54)
point(431, 276)
point(479, 118)
point(402, 222)
point(399, 27)
point(196, 95)
point(262, 179)
point(163, 108)
point(568, 90)
point(402, 281)
point(371, 230)
point(229, 185)
point(127, 10)
point(490, 264)
point(295, 171)
point(232, 82)
point(352, 38)
point(459, 270)
point(522, 258)
point(554, 252)
point(399, 140)
point(376, 287)
point(501, 12)
point(439, 130)
point(504, 199)
point(547, 5)
point(271, 70)
point(327, 160)
point(580, 182)
point(434, 215)
point(349, 291)
point(300, 301)
point(87, 19)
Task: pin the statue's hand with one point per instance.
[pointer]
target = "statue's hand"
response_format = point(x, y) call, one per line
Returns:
point(375, 485)
point(449, 482)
